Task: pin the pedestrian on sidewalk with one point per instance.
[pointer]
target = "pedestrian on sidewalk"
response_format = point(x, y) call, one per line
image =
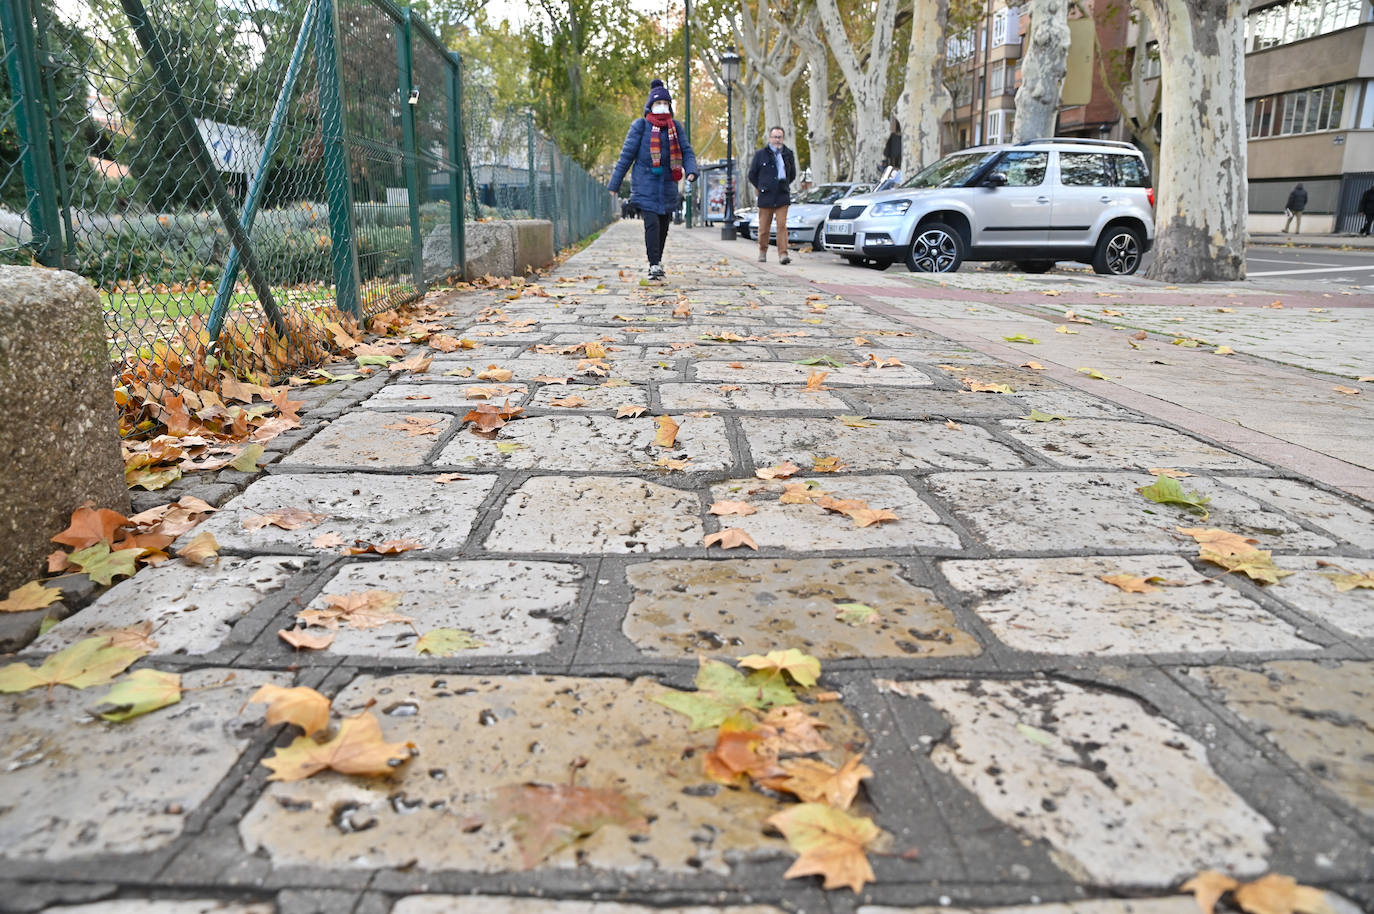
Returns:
point(1297, 202)
point(1367, 207)
point(657, 147)
point(772, 172)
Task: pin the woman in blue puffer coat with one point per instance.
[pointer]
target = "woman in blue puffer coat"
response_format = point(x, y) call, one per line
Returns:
point(657, 147)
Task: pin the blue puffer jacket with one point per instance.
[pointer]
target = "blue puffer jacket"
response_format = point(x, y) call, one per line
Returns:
point(648, 191)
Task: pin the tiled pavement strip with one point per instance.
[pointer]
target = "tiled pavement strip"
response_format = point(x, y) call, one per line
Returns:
point(1049, 744)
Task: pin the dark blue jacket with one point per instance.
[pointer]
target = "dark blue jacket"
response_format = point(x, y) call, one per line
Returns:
point(655, 193)
point(763, 174)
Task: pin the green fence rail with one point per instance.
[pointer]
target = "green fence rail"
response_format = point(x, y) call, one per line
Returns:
point(233, 176)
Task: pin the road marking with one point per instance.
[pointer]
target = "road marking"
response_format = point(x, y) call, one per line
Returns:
point(1367, 268)
point(1271, 260)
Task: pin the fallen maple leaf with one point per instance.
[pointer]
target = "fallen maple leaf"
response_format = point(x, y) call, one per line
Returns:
point(200, 550)
point(802, 668)
point(495, 373)
point(386, 547)
point(32, 595)
point(359, 609)
point(790, 728)
point(415, 426)
point(1033, 366)
point(1129, 583)
point(1278, 894)
point(629, 410)
point(550, 379)
point(1223, 350)
point(867, 517)
point(1166, 491)
point(800, 493)
point(667, 431)
point(855, 613)
point(830, 843)
point(327, 541)
point(358, 748)
point(780, 471)
point(741, 750)
point(722, 691)
point(285, 518)
point(1207, 887)
point(1222, 542)
point(815, 380)
point(952, 425)
point(102, 565)
point(570, 402)
point(977, 386)
point(857, 421)
point(827, 465)
point(668, 463)
point(301, 706)
point(486, 392)
point(1351, 580)
point(741, 508)
point(140, 692)
point(549, 817)
point(90, 526)
point(1257, 564)
point(418, 363)
point(816, 782)
point(89, 662)
point(445, 642)
point(731, 538)
point(1340, 388)
point(1168, 471)
point(303, 640)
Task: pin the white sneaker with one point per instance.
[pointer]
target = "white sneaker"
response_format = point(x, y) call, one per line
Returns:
point(656, 271)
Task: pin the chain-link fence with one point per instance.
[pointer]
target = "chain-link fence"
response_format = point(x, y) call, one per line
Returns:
point(234, 175)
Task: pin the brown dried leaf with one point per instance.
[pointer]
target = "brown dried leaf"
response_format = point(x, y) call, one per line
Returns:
point(731, 538)
point(781, 471)
point(667, 431)
point(741, 508)
point(303, 640)
point(285, 518)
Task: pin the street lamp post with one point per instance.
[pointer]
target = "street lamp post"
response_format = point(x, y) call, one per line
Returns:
point(729, 62)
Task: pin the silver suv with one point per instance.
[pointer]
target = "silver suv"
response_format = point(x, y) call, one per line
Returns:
point(1036, 203)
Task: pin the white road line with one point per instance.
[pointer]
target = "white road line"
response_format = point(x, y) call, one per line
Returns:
point(1290, 260)
point(1367, 268)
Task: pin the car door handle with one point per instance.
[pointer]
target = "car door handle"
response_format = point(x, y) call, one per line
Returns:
point(1042, 199)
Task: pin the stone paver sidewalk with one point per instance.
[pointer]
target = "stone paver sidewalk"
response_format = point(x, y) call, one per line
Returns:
point(1041, 740)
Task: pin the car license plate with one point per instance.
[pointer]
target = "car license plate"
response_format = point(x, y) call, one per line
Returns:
point(839, 228)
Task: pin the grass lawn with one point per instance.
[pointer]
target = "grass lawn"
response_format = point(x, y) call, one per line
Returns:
point(135, 307)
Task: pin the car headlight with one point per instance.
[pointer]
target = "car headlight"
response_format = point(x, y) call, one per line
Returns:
point(891, 208)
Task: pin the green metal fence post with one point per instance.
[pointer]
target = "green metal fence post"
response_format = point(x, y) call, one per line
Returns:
point(457, 224)
point(40, 188)
point(410, 100)
point(205, 166)
point(553, 194)
point(48, 68)
point(337, 176)
point(529, 169)
point(224, 293)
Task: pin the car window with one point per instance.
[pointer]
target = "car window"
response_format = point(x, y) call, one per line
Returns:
point(951, 171)
point(1084, 169)
point(1132, 171)
point(1022, 168)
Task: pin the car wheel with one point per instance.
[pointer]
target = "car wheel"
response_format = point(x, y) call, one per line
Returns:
point(936, 248)
point(1035, 266)
point(817, 243)
point(1118, 251)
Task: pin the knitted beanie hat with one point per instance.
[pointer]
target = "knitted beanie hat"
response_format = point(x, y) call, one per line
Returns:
point(658, 93)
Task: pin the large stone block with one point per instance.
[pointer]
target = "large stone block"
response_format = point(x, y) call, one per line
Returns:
point(60, 446)
point(490, 249)
point(533, 244)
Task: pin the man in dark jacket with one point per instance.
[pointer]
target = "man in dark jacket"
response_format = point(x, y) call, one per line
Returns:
point(657, 147)
point(1367, 207)
point(1297, 202)
point(772, 172)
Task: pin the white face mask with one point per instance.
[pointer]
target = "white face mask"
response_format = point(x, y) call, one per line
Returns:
point(660, 108)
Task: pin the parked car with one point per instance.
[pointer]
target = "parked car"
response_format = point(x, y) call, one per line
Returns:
point(804, 216)
point(1035, 203)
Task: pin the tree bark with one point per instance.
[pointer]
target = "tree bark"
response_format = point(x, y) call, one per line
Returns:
point(924, 96)
point(1130, 102)
point(1042, 70)
point(805, 35)
point(867, 85)
point(1201, 208)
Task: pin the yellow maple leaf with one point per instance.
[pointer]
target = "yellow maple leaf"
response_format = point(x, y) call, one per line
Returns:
point(816, 782)
point(731, 538)
point(1257, 564)
point(358, 748)
point(1222, 542)
point(803, 668)
point(830, 843)
point(301, 706)
point(1278, 894)
point(1207, 887)
point(667, 431)
point(1128, 582)
point(32, 595)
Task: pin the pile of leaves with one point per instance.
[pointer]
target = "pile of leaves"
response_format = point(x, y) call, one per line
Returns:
point(355, 747)
point(1271, 894)
point(766, 738)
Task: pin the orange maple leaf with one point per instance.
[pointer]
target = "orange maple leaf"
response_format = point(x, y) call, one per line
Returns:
point(731, 538)
point(90, 526)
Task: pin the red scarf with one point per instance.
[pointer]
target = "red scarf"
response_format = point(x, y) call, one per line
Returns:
point(657, 123)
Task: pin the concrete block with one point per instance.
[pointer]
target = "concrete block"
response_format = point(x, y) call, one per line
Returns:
point(533, 244)
point(60, 444)
point(490, 249)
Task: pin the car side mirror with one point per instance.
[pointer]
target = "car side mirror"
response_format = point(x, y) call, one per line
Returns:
point(996, 179)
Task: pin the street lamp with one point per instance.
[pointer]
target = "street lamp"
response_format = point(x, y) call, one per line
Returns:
point(729, 62)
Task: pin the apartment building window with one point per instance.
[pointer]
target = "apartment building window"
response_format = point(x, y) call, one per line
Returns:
point(1006, 26)
point(1152, 66)
point(999, 126)
point(959, 47)
point(1295, 20)
point(1302, 111)
point(997, 78)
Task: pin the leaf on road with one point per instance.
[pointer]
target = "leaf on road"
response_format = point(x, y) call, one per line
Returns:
point(731, 538)
point(415, 426)
point(1033, 366)
point(90, 662)
point(140, 692)
point(741, 751)
point(978, 386)
point(441, 479)
point(1020, 338)
point(829, 361)
point(722, 691)
point(418, 363)
point(1278, 894)
point(791, 729)
point(867, 517)
point(1207, 887)
point(1167, 491)
point(1037, 416)
point(1342, 389)
point(102, 565)
point(741, 508)
point(445, 642)
point(815, 380)
point(802, 668)
point(200, 550)
point(90, 526)
point(1257, 564)
point(816, 782)
point(487, 391)
point(549, 817)
point(830, 843)
point(247, 460)
point(301, 706)
point(328, 540)
point(303, 640)
point(827, 465)
point(781, 471)
point(32, 595)
point(1222, 542)
point(1064, 328)
point(1170, 472)
point(1094, 373)
point(629, 410)
point(570, 402)
point(1223, 350)
point(358, 748)
point(855, 613)
point(285, 518)
point(667, 431)
point(857, 421)
point(1351, 580)
point(1128, 583)
point(360, 609)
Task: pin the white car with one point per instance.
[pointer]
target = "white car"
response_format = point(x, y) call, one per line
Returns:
point(1035, 203)
point(805, 215)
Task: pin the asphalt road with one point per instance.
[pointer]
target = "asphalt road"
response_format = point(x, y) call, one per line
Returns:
point(1318, 265)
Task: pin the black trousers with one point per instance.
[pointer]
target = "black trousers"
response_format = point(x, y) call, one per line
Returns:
point(655, 234)
point(1368, 219)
